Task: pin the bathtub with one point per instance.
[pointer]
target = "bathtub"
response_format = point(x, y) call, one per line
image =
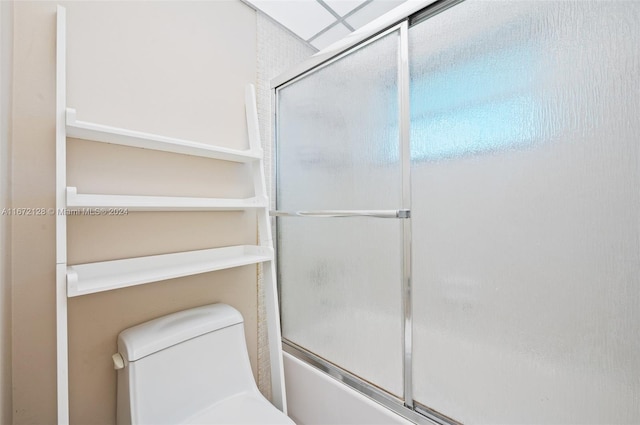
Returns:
point(314, 397)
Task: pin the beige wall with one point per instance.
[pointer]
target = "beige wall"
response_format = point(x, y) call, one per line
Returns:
point(6, 42)
point(174, 68)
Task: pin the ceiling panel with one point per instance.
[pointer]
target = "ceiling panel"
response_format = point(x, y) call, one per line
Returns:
point(371, 11)
point(330, 36)
point(342, 7)
point(304, 17)
point(323, 22)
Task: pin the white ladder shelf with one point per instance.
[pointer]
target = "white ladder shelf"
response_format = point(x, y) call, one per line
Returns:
point(137, 139)
point(89, 278)
point(82, 279)
point(76, 201)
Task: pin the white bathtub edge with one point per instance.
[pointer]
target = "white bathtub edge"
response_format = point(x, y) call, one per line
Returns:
point(314, 398)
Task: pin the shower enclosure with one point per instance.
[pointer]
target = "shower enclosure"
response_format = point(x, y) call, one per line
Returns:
point(458, 212)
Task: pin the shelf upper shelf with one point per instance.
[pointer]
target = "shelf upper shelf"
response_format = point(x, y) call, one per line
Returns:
point(90, 278)
point(76, 201)
point(120, 136)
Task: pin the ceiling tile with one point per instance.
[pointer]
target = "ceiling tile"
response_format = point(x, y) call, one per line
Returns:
point(330, 36)
point(305, 18)
point(371, 11)
point(342, 7)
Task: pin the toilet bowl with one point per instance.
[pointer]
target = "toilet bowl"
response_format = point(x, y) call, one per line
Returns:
point(190, 367)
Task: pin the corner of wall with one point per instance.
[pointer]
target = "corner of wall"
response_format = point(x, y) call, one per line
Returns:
point(276, 50)
point(6, 65)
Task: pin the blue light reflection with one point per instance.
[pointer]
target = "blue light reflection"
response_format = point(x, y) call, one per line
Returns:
point(484, 105)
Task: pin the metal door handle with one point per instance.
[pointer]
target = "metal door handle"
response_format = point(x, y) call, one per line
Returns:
point(344, 213)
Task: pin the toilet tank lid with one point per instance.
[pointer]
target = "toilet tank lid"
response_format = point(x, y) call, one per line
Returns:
point(155, 335)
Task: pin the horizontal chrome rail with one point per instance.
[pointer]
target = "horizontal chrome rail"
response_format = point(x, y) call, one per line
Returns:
point(344, 213)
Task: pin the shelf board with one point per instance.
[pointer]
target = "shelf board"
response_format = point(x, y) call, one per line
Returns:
point(90, 278)
point(137, 139)
point(77, 202)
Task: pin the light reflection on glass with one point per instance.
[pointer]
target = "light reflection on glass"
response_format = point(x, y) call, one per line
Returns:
point(480, 106)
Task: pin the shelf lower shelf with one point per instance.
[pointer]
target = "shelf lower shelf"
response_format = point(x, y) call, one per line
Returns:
point(137, 139)
point(90, 278)
point(77, 202)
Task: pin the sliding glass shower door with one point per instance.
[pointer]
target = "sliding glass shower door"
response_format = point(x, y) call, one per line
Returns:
point(339, 152)
point(525, 211)
point(511, 294)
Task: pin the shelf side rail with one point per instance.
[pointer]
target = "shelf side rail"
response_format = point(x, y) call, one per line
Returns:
point(62, 350)
point(268, 268)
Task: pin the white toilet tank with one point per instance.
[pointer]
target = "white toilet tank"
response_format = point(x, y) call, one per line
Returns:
point(190, 366)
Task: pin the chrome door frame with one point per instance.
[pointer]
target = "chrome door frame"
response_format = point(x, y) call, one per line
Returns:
point(399, 19)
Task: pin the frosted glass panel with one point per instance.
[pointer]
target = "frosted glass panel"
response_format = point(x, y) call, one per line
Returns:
point(338, 148)
point(341, 289)
point(525, 174)
point(338, 134)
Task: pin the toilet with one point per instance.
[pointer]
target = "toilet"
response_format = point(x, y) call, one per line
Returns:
point(189, 367)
